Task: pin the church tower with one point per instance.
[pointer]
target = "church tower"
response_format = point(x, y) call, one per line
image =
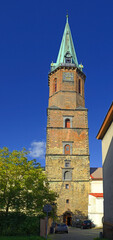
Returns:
point(67, 147)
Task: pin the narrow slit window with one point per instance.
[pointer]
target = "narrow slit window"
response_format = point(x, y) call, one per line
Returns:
point(79, 86)
point(67, 164)
point(67, 200)
point(55, 85)
point(67, 186)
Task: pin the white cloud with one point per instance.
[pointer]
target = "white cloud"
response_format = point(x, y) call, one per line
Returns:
point(37, 149)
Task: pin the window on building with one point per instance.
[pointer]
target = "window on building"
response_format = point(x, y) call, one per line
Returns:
point(67, 200)
point(67, 149)
point(67, 175)
point(67, 186)
point(79, 86)
point(67, 163)
point(55, 85)
point(68, 57)
point(67, 123)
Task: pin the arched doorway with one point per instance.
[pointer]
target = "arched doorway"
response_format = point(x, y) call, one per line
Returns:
point(67, 218)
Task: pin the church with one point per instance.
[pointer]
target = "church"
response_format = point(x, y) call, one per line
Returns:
point(67, 146)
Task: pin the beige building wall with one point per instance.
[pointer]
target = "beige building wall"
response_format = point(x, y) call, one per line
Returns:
point(106, 135)
point(106, 141)
point(107, 156)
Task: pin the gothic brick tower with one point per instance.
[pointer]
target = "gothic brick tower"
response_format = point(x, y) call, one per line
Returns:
point(67, 149)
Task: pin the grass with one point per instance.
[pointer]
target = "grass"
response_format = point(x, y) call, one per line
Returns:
point(21, 238)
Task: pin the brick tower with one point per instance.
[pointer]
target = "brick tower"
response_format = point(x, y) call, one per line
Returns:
point(67, 148)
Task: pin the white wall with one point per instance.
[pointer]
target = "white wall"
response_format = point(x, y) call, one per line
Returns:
point(95, 210)
point(99, 205)
point(97, 186)
point(96, 219)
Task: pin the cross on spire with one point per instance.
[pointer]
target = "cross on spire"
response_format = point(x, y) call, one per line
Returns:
point(67, 16)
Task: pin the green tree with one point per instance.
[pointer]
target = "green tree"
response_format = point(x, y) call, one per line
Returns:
point(23, 183)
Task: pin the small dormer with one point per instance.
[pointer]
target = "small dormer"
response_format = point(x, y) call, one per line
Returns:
point(68, 57)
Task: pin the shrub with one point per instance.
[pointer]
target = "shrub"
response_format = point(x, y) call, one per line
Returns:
point(18, 224)
point(22, 238)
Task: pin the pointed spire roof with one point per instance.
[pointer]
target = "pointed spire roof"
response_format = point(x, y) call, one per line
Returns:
point(66, 50)
point(67, 46)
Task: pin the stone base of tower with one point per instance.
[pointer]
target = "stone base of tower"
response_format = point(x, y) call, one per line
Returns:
point(68, 176)
point(72, 203)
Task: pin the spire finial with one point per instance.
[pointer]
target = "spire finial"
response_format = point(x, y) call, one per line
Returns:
point(67, 16)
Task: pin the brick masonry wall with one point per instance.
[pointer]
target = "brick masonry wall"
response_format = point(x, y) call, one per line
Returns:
point(56, 133)
point(67, 95)
point(79, 165)
point(55, 118)
point(77, 195)
point(57, 137)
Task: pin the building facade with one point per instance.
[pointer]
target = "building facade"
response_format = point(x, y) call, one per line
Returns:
point(95, 206)
point(106, 135)
point(67, 147)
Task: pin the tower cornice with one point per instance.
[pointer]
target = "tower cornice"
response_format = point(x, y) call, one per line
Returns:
point(69, 109)
point(66, 66)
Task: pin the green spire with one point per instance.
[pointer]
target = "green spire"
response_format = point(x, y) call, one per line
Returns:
point(67, 46)
point(67, 51)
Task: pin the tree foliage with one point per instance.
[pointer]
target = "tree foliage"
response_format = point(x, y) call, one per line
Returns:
point(23, 183)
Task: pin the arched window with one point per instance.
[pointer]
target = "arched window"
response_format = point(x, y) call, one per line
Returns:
point(67, 175)
point(55, 85)
point(67, 123)
point(67, 149)
point(79, 86)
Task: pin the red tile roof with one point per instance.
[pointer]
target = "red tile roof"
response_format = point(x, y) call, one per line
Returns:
point(96, 194)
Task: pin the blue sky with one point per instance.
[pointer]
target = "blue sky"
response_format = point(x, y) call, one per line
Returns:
point(31, 33)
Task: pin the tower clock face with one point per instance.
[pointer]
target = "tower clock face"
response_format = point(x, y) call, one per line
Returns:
point(68, 76)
